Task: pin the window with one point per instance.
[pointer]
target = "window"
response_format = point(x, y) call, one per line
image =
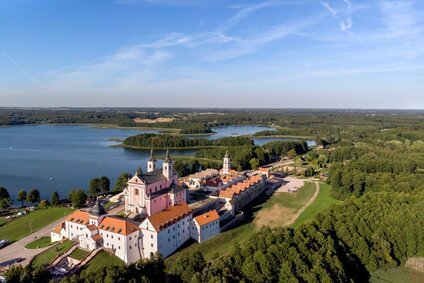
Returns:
point(119, 247)
point(151, 245)
point(169, 231)
point(130, 238)
point(169, 239)
point(86, 235)
point(130, 247)
point(111, 236)
point(151, 236)
point(119, 239)
point(136, 192)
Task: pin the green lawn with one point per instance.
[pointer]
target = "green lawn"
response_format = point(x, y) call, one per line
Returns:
point(79, 254)
point(224, 242)
point(323, 201)
point(47, 256)
point(397, 275)
point(293, 200)
point(20, 227)
point(102, 259)
point(39, 243)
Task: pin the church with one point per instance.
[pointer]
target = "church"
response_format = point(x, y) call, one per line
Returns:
point(159, 200)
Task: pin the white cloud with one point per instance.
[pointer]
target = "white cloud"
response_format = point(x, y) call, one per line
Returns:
point(342, 14)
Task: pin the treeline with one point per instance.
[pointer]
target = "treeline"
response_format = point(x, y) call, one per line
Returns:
point(251, 156)
point(175, 141)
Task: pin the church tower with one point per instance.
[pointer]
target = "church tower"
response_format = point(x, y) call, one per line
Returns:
point(151, 163)
point(227, 164)
point(167, 169)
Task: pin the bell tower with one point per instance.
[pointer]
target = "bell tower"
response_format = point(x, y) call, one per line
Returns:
point(151, 163)
point(227, 164)
point(167, 170)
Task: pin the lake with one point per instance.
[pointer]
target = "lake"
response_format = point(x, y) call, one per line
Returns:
point(30, 155)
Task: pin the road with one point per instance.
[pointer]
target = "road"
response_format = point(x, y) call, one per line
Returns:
point(10, 253)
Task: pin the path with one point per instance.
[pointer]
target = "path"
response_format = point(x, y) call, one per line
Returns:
point(299, 212)
point(10, 253)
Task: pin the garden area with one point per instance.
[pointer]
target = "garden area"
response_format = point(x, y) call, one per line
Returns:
point(49, 255)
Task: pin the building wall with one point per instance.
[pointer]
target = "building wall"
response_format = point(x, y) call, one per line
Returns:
point(205, 232)
point(54, 237)
point(74, 230)
point(166, 241)
point(126, 248)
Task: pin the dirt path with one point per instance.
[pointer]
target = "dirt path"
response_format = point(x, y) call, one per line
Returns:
point(299, 212)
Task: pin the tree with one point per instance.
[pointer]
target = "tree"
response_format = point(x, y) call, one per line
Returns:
point(94, 187)
point(33, 196)
point(5, 203)
point(121, 182)
point(54, 199)
point(254, 163)
point(291, 154)
point(78, 198)
point(43, 204)
point(22, 195)
point(5, 200)
point(104, 184)
point(4, 193)
point(309, 172)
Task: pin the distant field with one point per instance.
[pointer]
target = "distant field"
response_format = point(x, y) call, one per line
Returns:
point(20, 227)
point(153, 121)
point(323, 201)
point(397, 275)
point(224, 242)
point(47, 256)
point(102, 259)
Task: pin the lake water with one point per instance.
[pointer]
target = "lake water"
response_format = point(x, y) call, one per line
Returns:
point(73, 154)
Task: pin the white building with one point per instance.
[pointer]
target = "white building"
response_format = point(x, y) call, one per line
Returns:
point(98, 230)
point(205, 226)
point(167, 230)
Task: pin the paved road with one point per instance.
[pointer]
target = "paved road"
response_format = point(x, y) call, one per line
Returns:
point(10, 253)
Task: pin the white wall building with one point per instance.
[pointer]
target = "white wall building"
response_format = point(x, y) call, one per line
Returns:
point(167, 230)
point(205, 226)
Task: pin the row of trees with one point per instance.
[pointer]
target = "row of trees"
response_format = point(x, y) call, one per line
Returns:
point(32, 197)
point(175, 141)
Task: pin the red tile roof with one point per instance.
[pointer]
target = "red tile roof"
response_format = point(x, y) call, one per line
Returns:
point(207, 217)
point(79, 216)
point(118, 226)
point(169, 216)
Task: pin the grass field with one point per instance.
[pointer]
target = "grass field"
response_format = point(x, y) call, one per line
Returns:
point(323, 201)
point(224, 242)
point(102, 259)
point(39, 243)
point(20, 227)
point(397, 275)
point(47, 256)
point(79, 254)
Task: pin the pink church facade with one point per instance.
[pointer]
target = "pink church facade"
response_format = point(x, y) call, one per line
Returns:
point(157, 189)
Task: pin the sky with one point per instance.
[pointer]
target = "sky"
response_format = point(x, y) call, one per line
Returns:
point(212, 53)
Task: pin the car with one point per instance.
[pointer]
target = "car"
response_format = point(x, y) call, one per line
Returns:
point(3, 243)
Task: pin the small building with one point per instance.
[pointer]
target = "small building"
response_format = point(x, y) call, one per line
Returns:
point(205, 226)
point(167, 230)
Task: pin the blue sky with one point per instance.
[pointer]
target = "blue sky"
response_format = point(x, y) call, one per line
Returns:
point(212, 53)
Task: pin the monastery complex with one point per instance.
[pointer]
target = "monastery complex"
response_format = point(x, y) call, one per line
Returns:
point(160, 217)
